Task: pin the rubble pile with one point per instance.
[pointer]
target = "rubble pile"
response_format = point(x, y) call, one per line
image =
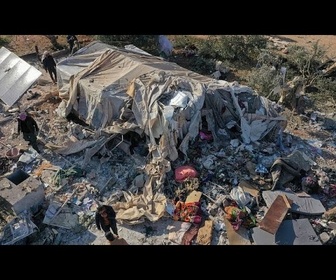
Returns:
point(226, 173)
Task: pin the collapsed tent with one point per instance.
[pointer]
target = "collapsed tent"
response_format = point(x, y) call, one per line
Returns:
point(121, 90)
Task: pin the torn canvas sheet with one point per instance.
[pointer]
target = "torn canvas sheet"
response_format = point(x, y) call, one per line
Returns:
point(285, 169)
point(137, 208)
point(254, 115)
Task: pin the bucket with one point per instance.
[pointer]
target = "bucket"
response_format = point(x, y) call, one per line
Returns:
point(13, 153)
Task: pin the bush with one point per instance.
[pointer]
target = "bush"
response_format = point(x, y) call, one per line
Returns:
point(209, 48)
point(263, 79)
point(181, 41)
point(241, 49)
point(4, 41)
point(326, 89)
point(202, 65)
point(306, 61)
point(148, 43)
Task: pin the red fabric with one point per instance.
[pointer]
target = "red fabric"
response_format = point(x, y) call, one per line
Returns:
point(184, 172)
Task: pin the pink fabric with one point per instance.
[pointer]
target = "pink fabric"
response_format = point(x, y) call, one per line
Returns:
point(184, 172)
point(205, 136)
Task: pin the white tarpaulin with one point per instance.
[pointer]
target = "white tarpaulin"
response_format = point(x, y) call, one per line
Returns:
point(120, 90)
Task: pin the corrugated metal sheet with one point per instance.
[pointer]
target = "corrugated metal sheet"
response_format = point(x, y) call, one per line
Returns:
point(16, 76)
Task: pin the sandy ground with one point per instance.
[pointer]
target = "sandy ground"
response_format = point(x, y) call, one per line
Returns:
point(327, 41)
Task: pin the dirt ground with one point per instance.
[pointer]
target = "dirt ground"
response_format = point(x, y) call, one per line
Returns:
point(25, 44)
point(327, 41)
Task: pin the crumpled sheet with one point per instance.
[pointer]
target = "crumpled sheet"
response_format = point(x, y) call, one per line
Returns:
point(177, 231)
point(138, 207)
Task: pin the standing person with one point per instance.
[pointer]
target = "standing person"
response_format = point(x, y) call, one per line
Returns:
point(165, 46)
point(71, 39)
point(49, 65)
point(105, 220)
point(29, 128)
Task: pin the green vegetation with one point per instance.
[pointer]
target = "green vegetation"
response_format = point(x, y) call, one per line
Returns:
point(148, 43)
point(4, 41)
point(251, 53)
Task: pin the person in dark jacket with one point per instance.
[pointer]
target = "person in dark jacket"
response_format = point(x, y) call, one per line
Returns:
point(106, 221)
point(71, 39)
point(29, 128)
point(49, 65)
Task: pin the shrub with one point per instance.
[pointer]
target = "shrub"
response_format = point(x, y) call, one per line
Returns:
point(306, 61)
point(148, 43)
point(241, 49)
point(4, 41)
point(263, 79)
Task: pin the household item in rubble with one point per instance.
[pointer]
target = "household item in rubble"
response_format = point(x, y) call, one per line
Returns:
point(13, 153)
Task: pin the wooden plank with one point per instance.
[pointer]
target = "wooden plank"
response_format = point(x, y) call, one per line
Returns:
point(239, 237)
point(194, 196)
point(275, 214)
point(204, 235)
point(287, 201)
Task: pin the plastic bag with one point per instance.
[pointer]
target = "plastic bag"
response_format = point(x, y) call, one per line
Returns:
point(242, 198)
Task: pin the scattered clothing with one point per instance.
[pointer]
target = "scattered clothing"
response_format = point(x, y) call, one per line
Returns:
point(188, 212)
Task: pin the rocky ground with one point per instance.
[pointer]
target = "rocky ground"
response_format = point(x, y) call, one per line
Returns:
point(310, 133)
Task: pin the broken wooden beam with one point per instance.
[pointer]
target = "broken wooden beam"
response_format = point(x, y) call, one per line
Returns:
point(275, 214)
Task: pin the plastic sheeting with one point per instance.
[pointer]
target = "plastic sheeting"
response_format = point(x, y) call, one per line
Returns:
point(16, 76)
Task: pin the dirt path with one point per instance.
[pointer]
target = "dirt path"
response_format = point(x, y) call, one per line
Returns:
point(327, 41)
